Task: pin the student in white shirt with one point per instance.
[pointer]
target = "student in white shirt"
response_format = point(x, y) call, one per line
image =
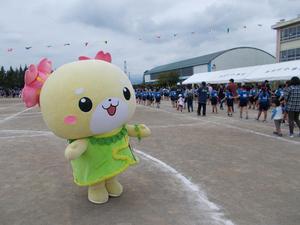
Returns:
point(180, 102)
point(277, 115)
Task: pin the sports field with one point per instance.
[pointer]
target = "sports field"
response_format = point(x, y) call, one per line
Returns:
point(193, 170)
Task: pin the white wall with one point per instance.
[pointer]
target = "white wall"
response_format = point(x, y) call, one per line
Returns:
point(290, 45)
point(242, 57)
point(200, 69)
point(147, 78)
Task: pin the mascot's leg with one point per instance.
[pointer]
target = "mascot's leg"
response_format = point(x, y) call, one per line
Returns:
point(113, 187)
point(97, 193)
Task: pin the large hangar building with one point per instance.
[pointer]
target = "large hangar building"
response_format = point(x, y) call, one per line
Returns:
point(222, 60)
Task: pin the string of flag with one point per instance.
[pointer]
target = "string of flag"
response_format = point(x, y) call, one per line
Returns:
point(50, 46)
point(228, 30)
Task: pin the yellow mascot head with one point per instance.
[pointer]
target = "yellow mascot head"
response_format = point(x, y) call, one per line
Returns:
point(86, 98)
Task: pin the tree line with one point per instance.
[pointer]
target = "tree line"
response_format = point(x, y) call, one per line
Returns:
point(12, 78)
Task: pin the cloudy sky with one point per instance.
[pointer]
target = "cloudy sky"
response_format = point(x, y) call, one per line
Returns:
point(144, 33)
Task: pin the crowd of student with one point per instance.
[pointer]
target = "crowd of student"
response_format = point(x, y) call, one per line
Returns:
point(285, 100)
point(10, 93)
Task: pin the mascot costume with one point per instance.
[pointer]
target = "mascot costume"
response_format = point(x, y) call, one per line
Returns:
point(89, 103)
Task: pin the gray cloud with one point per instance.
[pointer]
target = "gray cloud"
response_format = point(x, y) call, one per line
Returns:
point(124, 22)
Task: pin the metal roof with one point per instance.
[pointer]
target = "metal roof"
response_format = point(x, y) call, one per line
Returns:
point(201, 60)
point(284, 23)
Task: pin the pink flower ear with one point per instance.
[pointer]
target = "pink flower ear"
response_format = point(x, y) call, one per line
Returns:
point(83, 58)
point(103, 56)
point(30, 96)
point(45, 66)
point(100, 56)
point(30, 74)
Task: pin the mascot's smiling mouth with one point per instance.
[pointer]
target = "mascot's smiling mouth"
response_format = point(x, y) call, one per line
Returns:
point(112, 109)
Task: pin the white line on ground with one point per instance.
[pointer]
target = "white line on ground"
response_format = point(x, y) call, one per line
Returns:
point(260, 123)
point(22, 136)
point(216, 215)
point(176, 125)
point(23, 133)
point(13, 116)
point(228, 126)
point(33, 113)
point(25, 116)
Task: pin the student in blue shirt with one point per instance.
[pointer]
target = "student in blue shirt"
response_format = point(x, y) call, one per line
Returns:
point(279, 92)
point(144, 96)
point(214, 100)
point(157, 98)
point(202, 99)
point(264, 103)
point(189, 94)
point(152, 98)
point(243, 96)
point(229, 101)
point(173, 96)
point(138, 96)
point(165, 93)
point(252, 97)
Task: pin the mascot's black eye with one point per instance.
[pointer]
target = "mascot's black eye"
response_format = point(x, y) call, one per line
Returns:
point(126, 93)
point(85, 104)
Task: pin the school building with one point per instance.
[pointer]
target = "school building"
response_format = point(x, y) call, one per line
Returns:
point(288, 39)
point(222, 60)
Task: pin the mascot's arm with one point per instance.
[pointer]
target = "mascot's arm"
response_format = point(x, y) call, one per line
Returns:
point(76, 149)
point(138, 130)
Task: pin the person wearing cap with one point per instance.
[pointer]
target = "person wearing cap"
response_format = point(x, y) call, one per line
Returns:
point(180, 102)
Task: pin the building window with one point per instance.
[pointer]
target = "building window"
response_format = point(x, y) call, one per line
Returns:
point(154, 76)
point(298, 53)
point(283, 56)
point(188, 71)
point(290, 33)
point(291, 54)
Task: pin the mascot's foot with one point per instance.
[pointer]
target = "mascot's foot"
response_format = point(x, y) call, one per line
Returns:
point(97, 193)
point(113, 187)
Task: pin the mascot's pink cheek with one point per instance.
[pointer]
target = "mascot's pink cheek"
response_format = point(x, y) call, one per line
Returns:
point(70, 120)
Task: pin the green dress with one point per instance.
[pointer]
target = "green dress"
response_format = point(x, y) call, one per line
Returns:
point(104, 158)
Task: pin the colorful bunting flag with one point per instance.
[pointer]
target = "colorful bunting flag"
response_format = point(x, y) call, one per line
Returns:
point(158, 36)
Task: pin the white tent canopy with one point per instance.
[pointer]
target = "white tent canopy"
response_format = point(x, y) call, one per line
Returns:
point(271, 72)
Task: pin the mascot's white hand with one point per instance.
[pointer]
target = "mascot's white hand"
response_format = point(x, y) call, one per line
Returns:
point(145, 131)
point(76, 149)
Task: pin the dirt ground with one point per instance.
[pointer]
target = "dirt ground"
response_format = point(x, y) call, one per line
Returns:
point(194, 170)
